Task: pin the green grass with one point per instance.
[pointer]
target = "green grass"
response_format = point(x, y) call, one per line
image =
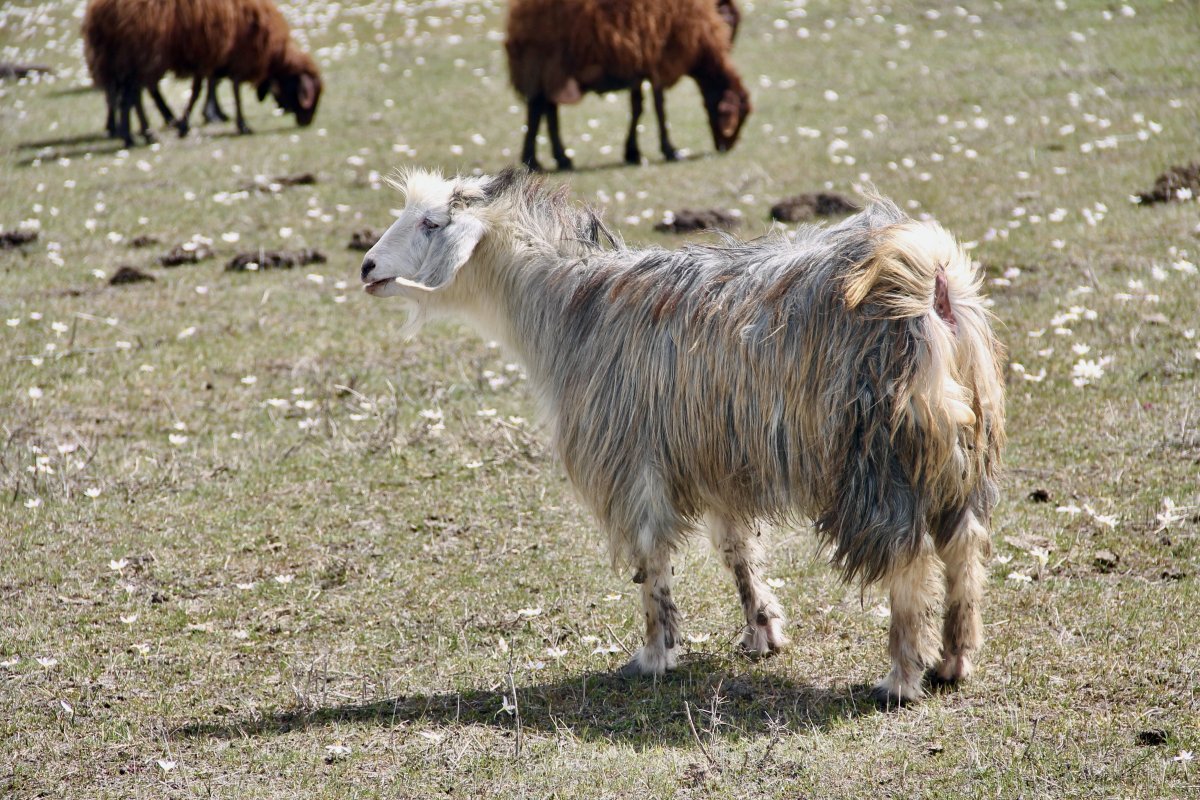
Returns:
point(433, 566)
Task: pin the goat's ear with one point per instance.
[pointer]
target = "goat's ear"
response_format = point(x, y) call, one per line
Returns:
point(450, 247)
point(308, 92)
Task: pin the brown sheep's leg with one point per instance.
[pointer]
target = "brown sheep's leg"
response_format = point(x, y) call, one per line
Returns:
point(127, 92)
point(535, 107)
point(212, 109)
point(112, 98)
point(741, 553)
point(184, 123)
point(147, 134)
point(556, 145)
point(632, 154)
point(164, 109)
point(237, 102)
point(664, 139)
point(662, 618)
point(915, 591)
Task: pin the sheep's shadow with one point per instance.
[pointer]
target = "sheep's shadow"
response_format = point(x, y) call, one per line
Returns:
point(591, 705)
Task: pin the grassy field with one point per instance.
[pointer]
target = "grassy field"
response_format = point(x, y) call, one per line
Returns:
point(257, 545)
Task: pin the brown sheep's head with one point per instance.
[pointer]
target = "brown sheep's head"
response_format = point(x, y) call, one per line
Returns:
point(295, 84)
point(727, 111)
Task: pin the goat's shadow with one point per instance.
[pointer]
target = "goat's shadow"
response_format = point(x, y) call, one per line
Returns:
point(598, 705)
point(615, 165)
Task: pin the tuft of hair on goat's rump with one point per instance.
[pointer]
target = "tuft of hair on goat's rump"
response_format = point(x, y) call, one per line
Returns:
point(846, 375)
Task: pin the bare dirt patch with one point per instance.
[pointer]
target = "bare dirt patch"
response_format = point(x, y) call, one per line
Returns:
point(810, 205)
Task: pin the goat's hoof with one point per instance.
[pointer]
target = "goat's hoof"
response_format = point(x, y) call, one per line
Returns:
point(566, 165)
point(939, 684)
point(764, 641)
point(244, 129)
point(649, 663)
point(183, 129)
point(533, 165)
point(633, 158)
point(671, 155)
point(887, 700)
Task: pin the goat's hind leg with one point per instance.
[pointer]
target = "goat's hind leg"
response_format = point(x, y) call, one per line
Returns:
point(962, 546)
point(915, 592)
point(741, 553)
point(659, 653)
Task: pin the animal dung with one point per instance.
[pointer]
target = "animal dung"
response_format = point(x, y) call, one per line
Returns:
point(277, 184)
point(143, 241)
point(10, 70)
point(1177, 184)
point(274, 259)
point(126, 275)
point(803, 207)
point(186, 253)
point(363, 240)
point(687, 220)
point(13, 239)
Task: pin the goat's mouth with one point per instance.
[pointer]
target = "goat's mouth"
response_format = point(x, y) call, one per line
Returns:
point(378, 288)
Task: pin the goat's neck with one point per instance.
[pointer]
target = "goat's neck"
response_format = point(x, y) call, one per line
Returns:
point(520, 298)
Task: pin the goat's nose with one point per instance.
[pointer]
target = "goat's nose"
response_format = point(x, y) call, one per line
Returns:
point(368, 266)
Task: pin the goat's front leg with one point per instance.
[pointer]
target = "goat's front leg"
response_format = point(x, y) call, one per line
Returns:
point(164, 109)
point(664, 139)
point(632, 154)
point(741, 553)
point(915, 591)
point(659, 653)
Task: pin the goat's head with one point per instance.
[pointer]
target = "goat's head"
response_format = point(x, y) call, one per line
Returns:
point(295, 83)
point(728, 106)
point(432, 239)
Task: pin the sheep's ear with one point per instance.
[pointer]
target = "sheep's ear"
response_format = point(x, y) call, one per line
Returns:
point(308, 92)
point(449, 248)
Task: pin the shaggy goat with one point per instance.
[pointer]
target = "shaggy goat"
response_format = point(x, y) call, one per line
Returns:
point(560, 49)
point(849, 376)
point(131, 44)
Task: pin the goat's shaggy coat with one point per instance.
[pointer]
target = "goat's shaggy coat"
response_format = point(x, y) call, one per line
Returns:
point(848, 375)
point(131, 44)
point(560, 49)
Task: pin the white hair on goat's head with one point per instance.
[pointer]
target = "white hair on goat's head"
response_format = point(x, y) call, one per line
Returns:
point(432, 239)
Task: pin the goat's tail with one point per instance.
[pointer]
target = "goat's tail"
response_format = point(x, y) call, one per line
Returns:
point(934, 450)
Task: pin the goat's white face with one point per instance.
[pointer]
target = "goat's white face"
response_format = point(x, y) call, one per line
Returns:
point(435, 235)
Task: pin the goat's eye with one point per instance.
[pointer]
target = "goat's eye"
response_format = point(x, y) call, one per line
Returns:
point(428, 224)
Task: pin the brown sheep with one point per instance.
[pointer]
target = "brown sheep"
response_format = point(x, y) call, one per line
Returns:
point(131, 44)
point(559, 49)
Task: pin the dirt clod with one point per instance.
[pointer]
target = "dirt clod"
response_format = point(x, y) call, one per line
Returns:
point(802, 207)
point(363, 240)
point(188, 253)
point(1105, 560)
point(687, 220)
point(144, 241)
point(11, 239)
point(1040, 496)
point(274, 259)
point(126, 275)
point(1177, 184)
